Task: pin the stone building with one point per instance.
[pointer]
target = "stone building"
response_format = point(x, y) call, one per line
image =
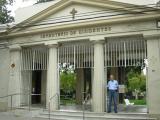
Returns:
point(90, 35)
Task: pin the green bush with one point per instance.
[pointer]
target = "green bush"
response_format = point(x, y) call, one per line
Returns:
point(68, 81)
point(136, 82)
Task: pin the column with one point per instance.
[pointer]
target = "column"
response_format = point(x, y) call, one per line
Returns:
point(98, 83)
point(15, 76)
point(153, 82)
point(52, 78)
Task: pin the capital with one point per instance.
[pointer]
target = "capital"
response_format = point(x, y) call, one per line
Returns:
point(97, 38)
point(51, 45)
point(14, 47)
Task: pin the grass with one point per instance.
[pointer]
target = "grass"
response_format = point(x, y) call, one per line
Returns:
point(68, 101)
point(138, 102)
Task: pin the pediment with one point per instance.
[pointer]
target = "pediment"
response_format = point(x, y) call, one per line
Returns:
point(76, 11)
point(86, 10)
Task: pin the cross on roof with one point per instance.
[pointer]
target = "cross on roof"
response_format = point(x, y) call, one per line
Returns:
point(73, 12)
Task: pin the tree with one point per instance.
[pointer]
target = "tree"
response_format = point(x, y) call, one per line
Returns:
point(68, 81)
point(5, 16)
point(136, 82)
point(41, 1)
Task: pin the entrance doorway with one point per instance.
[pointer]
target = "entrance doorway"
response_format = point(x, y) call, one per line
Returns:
point(34, 78)
point(75, 64)
point(125, 59)
point(75, 86)
point(36, 87)
point(132, 86)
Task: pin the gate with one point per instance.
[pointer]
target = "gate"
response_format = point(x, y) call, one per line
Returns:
point(123, 52)
point(76, 55)
point(34, 58)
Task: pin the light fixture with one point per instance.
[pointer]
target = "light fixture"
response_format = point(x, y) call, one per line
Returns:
point(158, 23)
point(13, 65)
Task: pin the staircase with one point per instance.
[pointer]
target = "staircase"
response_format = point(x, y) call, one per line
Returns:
point(74, 115)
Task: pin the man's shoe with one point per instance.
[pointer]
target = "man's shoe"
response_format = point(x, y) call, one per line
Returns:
point(116, 112)
point(109, 111)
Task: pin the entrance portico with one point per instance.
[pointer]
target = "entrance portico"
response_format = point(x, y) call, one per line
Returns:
point(96, 53)
point(96, 59)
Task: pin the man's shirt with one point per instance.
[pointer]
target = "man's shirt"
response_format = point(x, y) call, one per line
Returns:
point(113, 85)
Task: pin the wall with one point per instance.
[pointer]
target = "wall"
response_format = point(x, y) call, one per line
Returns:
point(153, 84)
point(26, 86)
point(4, 77)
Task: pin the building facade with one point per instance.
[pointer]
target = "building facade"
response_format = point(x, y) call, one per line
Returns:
point(84, 34)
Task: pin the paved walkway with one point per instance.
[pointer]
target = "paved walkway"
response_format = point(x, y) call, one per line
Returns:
point(11, 116)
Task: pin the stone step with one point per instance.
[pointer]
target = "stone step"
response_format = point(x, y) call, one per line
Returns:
point(72, 115)
point(31, 108)
point(87, 113)
point(95, 118)
point(78, 115)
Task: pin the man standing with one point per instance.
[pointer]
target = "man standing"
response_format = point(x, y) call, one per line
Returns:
point(113, 89)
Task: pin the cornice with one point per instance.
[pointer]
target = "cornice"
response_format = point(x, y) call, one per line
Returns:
point(84, 24)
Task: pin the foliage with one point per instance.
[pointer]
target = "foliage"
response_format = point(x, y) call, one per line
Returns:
point(5, 16)
point(68, 81)
point(136, 81)
point(41, 1)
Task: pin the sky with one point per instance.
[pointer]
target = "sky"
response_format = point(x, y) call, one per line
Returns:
point(140, 2)
point(20, 4)
point(23, 3)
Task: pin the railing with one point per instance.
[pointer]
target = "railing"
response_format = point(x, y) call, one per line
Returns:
point(7, 96)
point(84, 104)
point(12, 95)
point(49, 104)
